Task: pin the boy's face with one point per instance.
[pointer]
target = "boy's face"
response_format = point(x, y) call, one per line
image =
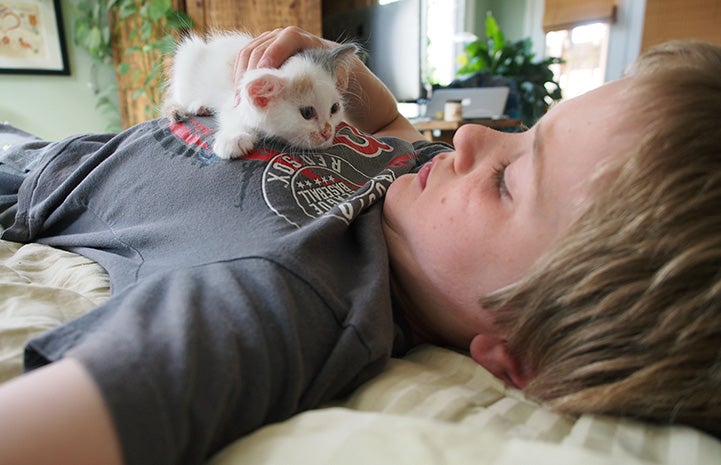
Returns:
point(475, 220)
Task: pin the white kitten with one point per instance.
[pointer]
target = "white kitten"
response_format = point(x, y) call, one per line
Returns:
point(300, 102)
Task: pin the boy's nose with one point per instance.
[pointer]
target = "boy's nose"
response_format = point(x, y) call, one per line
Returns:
point(471, 142)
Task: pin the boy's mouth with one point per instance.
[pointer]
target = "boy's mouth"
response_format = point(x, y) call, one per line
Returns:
point(424, 172)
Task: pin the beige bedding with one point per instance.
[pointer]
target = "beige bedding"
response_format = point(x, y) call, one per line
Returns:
point(434, 406)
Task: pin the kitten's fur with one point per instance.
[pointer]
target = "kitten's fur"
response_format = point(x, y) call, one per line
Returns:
point(300, 102)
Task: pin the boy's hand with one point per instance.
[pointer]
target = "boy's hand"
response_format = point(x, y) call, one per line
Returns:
point(270, 49)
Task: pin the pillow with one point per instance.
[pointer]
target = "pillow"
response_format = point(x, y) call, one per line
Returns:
point(437, 406)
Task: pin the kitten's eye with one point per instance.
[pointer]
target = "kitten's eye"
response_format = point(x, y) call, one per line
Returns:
point(307, 112)
point(335, 108)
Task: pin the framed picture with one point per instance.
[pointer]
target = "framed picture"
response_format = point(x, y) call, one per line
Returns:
point(32, 40)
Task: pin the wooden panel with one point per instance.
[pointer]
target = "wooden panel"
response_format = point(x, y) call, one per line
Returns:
point(138, 92)
point(255, 16)
point(681, 19)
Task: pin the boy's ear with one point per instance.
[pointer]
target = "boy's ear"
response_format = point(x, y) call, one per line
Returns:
point(263, 89)
point(491, 352)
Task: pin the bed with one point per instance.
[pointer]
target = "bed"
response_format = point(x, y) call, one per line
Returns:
point(434, 406)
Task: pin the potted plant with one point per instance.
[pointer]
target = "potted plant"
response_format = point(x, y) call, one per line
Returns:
point(131, 36)
point(495, 61)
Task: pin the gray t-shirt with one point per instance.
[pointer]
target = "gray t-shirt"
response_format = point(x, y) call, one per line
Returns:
point(243, 291)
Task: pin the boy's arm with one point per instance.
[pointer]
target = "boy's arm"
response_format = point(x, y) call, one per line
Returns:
point(370, 106)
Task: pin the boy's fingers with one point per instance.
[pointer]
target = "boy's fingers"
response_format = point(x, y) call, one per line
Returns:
point(270, 49)
point(249, 56)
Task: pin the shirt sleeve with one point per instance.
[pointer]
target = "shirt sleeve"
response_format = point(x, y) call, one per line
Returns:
point(192, 360)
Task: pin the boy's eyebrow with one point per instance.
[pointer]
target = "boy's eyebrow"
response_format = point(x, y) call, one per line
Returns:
point(538, 163)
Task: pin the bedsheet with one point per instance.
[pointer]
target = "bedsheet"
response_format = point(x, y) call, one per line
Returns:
point(433, 406)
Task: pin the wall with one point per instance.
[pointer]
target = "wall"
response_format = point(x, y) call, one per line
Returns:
point(624, 42)
point(681, 19)
point(510, 15)
point(518, 19)
point(54, 107)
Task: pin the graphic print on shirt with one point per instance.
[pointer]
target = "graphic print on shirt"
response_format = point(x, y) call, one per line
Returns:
point(339, 182)
point(197, 139)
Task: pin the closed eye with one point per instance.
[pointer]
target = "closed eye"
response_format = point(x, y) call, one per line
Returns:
point(499, 179)
point(307, 112)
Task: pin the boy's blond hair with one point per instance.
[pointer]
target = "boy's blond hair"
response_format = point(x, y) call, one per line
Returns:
point(624, 315)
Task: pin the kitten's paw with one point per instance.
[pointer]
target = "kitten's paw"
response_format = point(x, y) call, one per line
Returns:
point(204, 111)
point(175, 112)
point(228, 147)
point(197, 108)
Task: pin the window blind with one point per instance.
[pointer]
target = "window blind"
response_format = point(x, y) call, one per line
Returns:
point(566, 14)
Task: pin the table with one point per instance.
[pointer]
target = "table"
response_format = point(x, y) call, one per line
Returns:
point(441, 130)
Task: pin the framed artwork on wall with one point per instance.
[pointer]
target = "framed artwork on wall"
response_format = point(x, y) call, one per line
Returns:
point(32, 40)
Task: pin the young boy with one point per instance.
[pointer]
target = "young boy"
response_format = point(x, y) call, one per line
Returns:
point(246, 291)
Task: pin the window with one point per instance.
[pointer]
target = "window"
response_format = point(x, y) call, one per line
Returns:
point(579, 33)
point(443, 45)
point(584, 50)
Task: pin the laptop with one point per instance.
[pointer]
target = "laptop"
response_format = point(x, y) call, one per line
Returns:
point(477, 102)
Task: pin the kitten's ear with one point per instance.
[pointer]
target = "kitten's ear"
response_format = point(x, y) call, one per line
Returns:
point(342, 57)
point(263, 89)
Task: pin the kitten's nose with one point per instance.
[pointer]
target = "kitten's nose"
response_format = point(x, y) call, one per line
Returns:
point(327, 131)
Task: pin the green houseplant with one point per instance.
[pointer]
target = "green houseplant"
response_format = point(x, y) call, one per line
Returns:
point(494, 56)
point(93, 31)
